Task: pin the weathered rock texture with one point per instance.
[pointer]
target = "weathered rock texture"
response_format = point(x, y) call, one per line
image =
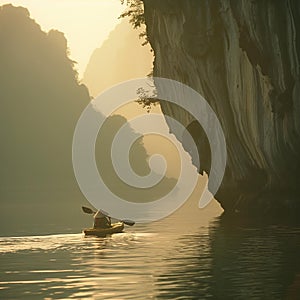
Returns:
point(243, 57)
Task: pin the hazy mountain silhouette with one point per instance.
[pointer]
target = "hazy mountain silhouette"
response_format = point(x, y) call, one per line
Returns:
point(121, 57)
point(41, 101)
point(137, 158)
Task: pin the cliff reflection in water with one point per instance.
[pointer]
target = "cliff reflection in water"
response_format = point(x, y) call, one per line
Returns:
point(236, 262)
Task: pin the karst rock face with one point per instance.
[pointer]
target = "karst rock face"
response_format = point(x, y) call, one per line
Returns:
point(243, 58)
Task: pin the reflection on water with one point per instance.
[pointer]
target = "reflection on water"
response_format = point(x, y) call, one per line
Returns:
point(195, 259)
point(255, 262)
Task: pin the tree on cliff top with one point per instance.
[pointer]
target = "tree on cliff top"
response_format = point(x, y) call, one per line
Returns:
point(135, 12)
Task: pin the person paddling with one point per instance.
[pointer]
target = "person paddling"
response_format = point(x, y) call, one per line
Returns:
point(101, 221)
point(89, 211)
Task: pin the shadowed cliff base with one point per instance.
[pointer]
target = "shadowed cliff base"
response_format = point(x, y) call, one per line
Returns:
point(243, 57)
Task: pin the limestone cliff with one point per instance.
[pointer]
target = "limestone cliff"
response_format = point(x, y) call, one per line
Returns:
point(243, 57)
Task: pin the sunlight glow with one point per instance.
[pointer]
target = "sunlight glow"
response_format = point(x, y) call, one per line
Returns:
point(85, 23)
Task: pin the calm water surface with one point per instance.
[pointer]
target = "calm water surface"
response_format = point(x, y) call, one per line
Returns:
point(177, 258)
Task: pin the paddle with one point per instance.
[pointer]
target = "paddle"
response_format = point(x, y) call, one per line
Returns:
point(87, 210)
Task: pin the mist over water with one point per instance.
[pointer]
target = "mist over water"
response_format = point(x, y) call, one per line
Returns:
point(180, 257)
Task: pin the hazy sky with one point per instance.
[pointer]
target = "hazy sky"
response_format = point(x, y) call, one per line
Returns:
point(86, 23)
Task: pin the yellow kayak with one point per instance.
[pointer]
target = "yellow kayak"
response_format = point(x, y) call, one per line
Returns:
point(115, 228)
